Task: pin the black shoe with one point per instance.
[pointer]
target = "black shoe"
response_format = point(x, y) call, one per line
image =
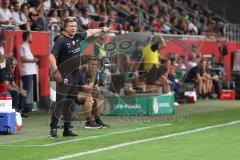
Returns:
point(53, 133)
point(91, 124)
point(69, 133)
point(24, 116)
point(99, 122)
point(26, 110)
point(210, 96)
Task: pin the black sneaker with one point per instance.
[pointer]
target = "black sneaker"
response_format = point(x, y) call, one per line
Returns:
point(210, 96)
point(53, 133)
point(100, 122)
point(24, 116)
point(69, 133)
point(91, 124)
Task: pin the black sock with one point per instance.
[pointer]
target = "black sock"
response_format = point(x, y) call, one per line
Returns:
point(88, 119)
point(205, 95)
point(210, 95)
point(67, 126)
point(97, 119)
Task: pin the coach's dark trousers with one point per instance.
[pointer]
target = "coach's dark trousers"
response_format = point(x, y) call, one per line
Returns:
point(63, 107)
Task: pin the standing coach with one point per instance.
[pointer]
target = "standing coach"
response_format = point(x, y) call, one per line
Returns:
point(67, 51)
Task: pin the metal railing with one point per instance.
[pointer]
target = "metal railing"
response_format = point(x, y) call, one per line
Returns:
point(183, 37)
point(232, 32)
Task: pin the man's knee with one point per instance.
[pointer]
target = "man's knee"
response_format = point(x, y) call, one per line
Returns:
point(82, 98)
point(89, 100)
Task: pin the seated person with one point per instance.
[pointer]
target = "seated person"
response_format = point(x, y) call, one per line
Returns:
point(197, 76)
point(163, 81)
point(212, 81)
point(137, 83)
point(2, 60)
point(5, 14)
point(153, 76)
point(172, 76)
point(18, 94)
point(89, 92)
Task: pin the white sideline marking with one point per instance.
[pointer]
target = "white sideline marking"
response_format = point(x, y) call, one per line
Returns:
point(143, 140)
point(86, 138)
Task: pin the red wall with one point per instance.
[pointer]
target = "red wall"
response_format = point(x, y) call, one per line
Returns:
point(40, 48)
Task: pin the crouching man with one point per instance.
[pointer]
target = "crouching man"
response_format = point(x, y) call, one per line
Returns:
point(89, 92)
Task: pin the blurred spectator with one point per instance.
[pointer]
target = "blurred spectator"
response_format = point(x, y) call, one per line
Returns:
point(22, 1)
point(212, 75)
point(192, 61)
point(18, 94)
point(66, 4)
point(81, 4)
point(53, 20)
point(156, 24)
point(168, 16)
point(162, 82)
point(209, 80)
point(56, 4)
point(33, 3)
point(192, 25)
point(46, 5)
point(41, 22)
point(21, 16)
point(211, 28)
point(16, 13)
point(69, 4)
point(172, 76)
point(181, 62)
point(125, 25)
point(197, 76)
point(65, 14)
point(91, 6)
point(85, 19)
point(130, 28)
point(184, 15)
point(5, 14)
point(139, 28)
point(2, 57)
point(166, 25)
point(182, 25)
point(120, 29)
point(106, 76)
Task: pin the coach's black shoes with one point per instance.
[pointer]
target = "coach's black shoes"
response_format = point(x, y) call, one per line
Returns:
point(91, 124)
point(69, 133)
point(53, 133)
point(100, 122)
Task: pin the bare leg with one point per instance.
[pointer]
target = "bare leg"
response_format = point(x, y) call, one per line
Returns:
point(87, 101)
point(96, 108)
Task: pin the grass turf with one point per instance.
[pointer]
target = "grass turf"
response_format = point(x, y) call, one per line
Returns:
point(196, 145)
